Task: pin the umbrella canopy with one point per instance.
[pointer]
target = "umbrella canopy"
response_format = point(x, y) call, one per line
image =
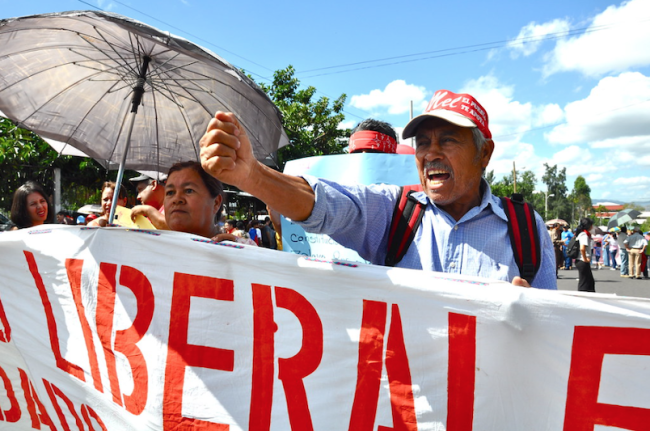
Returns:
point(623, 217)
point(557, 221)
point(71, 77)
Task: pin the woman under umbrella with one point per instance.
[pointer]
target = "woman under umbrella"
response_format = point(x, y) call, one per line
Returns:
point(30, 206)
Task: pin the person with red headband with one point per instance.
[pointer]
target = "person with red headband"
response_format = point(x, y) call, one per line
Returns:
point(464, 228)
point(373, 136)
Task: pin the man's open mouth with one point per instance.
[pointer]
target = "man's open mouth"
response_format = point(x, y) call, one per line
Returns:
point(437, 175)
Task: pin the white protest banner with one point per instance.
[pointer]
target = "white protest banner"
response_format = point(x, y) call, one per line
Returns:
point(119, 329)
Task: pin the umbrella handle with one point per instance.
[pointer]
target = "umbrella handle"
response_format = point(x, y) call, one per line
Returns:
point(138, 92)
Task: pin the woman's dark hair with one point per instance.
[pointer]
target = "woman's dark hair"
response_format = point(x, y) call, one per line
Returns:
point(240, 225)
point(19, 213)
point(214, 186)
point(585, 224)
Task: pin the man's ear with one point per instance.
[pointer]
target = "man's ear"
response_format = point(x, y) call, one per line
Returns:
point(154, 184)
point(486, 152)
point(217, 203)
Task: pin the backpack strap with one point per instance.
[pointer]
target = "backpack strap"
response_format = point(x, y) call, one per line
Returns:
point(524, 237)
point(407, 217)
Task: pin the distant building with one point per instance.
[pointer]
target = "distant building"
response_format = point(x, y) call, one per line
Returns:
point(611, 209)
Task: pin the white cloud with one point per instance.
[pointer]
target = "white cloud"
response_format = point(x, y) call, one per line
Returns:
point(346, 124)
point(395, 99)
point(617, 107)
point(506, 116)
point(591, 178)
point(616, 41)
point(632, 181)
point(105, 5)
point(548, 114)
point(531, 36)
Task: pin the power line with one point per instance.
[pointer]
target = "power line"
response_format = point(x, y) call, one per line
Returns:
point(455, 51)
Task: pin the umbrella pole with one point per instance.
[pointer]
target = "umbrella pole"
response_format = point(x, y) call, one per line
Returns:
point(120, 172)
point(138, 91)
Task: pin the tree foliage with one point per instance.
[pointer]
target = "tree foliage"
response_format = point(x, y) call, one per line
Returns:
point(312, 124)
point(505, 187)
point(581, 198)
point(558, 204)
point(25, 156)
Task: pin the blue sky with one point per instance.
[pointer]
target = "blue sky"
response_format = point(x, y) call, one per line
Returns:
point(564, 82)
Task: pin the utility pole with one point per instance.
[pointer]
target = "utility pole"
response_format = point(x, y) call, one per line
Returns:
point(546, 196)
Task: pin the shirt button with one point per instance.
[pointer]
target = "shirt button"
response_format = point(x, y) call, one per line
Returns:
point(456, 227)
point(452, 265)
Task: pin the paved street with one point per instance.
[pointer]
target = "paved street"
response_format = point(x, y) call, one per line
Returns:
point(607, 281)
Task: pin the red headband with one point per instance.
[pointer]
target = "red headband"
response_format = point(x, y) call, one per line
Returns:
point(371, 140)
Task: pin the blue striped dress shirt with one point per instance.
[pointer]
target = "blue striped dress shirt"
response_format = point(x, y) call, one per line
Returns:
point(359, 217)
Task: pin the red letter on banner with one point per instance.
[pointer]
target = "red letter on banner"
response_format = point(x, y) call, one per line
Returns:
point(34, 402)
point(292, 370)
point(52, 392)
point(125, 340)
point(180, 354)
point(369, 368)
point(13, 414)
point(263, 359)
point(590, 344)
point(104, 321)
point(87, 413)
point(5, 335)
point(73, 267)
point(399, 375)
point(61, 362)
point(461, 373)
point(371, 352)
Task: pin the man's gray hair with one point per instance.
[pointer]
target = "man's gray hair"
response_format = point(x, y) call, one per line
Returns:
point(479, 139)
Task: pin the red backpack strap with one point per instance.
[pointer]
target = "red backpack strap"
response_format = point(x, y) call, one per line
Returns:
point(407, 217)
point(524, 237)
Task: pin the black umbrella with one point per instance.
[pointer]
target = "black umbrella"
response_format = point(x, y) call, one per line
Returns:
point(623, 217)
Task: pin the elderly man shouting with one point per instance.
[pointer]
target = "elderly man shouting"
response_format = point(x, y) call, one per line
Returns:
point(464, 228)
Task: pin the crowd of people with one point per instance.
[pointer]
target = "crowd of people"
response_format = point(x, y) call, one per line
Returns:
point(462, 228)
point(601, 251)
point(188, 200)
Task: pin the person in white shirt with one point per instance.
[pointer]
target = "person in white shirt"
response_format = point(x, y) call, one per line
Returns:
point(585, 230)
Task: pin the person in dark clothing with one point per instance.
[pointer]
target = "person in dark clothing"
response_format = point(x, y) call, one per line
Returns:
point(268, 235)
point(585, 230)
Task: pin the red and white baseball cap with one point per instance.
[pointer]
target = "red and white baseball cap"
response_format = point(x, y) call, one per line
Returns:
point(459, 109)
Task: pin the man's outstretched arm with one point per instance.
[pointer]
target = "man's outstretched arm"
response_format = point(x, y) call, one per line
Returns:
point(227, 155)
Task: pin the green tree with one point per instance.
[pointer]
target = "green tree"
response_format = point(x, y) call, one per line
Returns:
point(634, 206)
point(25, 156)
point(580, 199)
point(312, 125)
point(505, 187)
point(558, 204)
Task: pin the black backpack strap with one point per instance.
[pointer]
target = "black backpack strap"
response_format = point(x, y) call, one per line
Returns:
point(524, 237)
point(407, 217)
